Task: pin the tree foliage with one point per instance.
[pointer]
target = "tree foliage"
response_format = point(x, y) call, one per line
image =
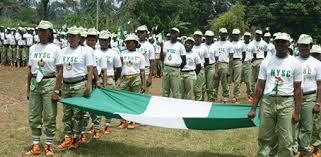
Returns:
point(234, 18)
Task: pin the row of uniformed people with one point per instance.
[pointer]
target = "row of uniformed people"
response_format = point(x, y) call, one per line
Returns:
point(68, 72)
point(290, 91)
point(14, 45)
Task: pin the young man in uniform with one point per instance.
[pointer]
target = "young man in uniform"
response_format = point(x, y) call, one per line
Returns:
point(146, 49)
point(77, 81)
point(198, 48)
point(258, 55)
point(209, 69)
point(29, 42)
point(311, 99)
point(173, 54)
point(247, 66)
point(279, 83)
point(113, 67)
point(270, 47)
point(190, 70)
point(238, 47)
point(224, 55)
point(133, 72)
point(316, 52)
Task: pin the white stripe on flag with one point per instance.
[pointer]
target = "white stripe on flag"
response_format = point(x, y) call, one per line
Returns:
point(169, 112)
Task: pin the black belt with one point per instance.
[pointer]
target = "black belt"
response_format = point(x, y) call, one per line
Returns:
point(310, 92)
point(259, 58)
point(45, 77)
point(173, 66)
point(76, 80)
point(187, 70)
point(283, 96)
point(236, 58)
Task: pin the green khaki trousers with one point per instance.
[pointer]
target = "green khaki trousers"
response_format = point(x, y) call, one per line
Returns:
point(171, 82)
point(159, 66)
point(237, 73)
point(276, 126)
point(209, 79)
point(223, 70)
point(73, 117)
point(10, 56)
point(316, 133)
point(130, 83)
point(187, 84)
point(4, 55)
point(255, 71)
point(305, 126)
point(42, 112)
point(247, 77)
point(200, 86)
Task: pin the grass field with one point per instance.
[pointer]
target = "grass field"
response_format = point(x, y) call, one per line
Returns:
point(144, 141)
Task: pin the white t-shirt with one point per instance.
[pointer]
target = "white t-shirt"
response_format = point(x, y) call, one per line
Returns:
point(249, 50)
point(11, 39)
point(113, 61)
point(36, 38)
point(49, 54)
point(133, 62)
point(101, 61)
point(75, 61)
point(192, 59)
point(147, 49)
point(29, 39)
point(280, 74)
point(311, 73)
point(270, 50)
point(6, 41)
point(173, 53)
point(202, 52)
point(238, 48)
point(21, 41)
point(260, 48)
point(91, 50)
point(2, 35)
point(222, 49)
point(210, 51)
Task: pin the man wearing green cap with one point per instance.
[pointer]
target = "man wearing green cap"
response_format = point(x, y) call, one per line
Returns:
point(198, 48)
point(11, 53)
point(258, 55)
point(311, 99)
point(77, 81)
point(247, 66)
point(29, 42)
point(146, 49)
point(209, 69)
point(173, 54)
point(224, 55)
point(6, 45)
point(279, 84)
point(238, 59)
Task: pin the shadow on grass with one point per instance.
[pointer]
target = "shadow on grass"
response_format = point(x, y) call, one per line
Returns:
point(114, 149)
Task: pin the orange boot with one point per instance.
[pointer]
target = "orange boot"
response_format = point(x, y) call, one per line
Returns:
point(34, 150)
point(122, 125)
point(106, 129)
point(49, 150)
point(67, 143)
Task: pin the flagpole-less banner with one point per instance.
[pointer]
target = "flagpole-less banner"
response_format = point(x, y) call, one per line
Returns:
point(164, 112)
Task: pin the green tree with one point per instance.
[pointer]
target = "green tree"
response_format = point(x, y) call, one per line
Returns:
point(234, 18)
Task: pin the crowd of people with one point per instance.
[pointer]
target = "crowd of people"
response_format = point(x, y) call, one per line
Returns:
point(281, 74)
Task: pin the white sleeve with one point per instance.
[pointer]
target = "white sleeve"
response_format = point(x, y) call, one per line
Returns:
point(318, 71)
point(117, 61)
point(298, 72)
point(58, 57)
point(30, 55)
point(88, 57)
point(142, 63)
point(230, 48)
point(151, 52)
point(182, 50)
point(262, 73)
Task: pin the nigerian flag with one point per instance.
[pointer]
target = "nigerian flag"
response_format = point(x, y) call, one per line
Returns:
point(163, 111)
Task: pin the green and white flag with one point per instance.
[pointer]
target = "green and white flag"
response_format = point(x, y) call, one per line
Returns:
point(164, 112)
